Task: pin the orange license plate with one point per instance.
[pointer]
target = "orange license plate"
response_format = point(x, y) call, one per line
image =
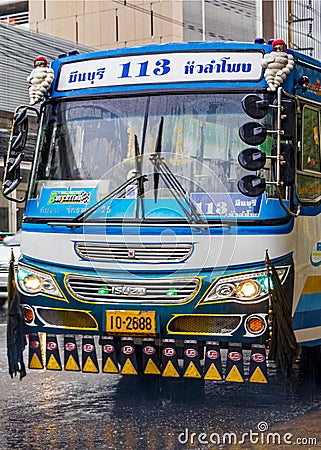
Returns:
point(131, 322)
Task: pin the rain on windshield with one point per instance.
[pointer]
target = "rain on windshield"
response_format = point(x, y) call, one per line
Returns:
point(107, 142)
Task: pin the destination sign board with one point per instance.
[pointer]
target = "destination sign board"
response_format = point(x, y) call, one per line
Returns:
point(161, 68)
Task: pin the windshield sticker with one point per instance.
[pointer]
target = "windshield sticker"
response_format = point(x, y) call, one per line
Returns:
point(228, 205)
point(315, 255)
point(161, 68)
point(68, 197)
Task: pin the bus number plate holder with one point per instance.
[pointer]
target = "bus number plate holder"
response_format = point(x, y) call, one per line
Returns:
point(131, 322)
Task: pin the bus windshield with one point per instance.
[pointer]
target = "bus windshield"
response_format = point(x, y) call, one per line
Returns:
point(102, 143)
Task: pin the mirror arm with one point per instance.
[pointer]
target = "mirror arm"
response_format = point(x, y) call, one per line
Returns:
point(16, 200)
point(32, 108)
point(278, 138)
point(291, 213)
point(10, 188)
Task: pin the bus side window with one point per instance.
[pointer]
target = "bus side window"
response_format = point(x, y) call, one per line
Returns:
point(309, 167)
point(310, 140)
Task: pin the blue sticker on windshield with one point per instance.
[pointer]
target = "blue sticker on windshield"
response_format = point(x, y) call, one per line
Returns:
point(228, 205)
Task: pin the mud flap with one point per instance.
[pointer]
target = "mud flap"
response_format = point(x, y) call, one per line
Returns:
point(169, 359)
point(71, 357)
point(234, 364)
point(213, 362)
point(35, 356)
point(53, 361)
point(192, 365)
point(128, 360)
point(109, 356)
point(150, 358)
point(258, 367)
point(89, 355)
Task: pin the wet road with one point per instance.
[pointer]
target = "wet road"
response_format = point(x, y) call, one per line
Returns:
point(65, 410)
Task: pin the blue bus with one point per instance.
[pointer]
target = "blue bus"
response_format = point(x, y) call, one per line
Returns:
point(172, 217)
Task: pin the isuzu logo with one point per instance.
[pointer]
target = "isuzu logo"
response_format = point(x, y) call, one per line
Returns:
point(70, 346)
point(108, 348)
point(88, 348)
point(128, 290)
point(169, 351)
point(127, 349)
point(51, 346)
point(149, 350)
point(34, 344)
point(258, 357)
point(191, 352)
point(234, 356)
point(212, 354)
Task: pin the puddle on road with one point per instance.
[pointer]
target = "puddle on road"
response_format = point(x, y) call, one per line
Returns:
point(51, 410)
point(78, 411)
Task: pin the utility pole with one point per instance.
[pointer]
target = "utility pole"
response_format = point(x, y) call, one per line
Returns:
point(290, 24)
point(203, 20)
point(268, 21)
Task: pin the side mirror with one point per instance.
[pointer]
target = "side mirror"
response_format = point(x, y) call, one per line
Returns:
point(287, 118)
point(13, 163)
point(251, 185)
point(287, 166)
point(254, 106)
point(20, 116)
point(9, 186)
point(17, 143)
point(252, 159)
point(253, 133)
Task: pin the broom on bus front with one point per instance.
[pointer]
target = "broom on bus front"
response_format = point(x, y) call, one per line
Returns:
point(283, 345)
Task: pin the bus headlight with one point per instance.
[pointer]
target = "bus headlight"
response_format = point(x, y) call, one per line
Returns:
point(249, 289)
point(32, 283)
point(244, 287)
point(35, 282)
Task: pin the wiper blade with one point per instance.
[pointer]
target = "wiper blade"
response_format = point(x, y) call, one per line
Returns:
point(83, 216)
point(179, 193)
point(140, 180)
point(158, 150)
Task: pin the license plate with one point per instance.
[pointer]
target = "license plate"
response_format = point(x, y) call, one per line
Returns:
point(131, 322)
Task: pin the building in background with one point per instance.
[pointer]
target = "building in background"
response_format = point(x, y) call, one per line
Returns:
point(298, 22)
point(19, 47)
point(118, 23)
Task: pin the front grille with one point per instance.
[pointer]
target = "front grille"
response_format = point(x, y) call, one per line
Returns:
point(204, 324)
point(71, 319)
point(146, 291)
point(143, 253)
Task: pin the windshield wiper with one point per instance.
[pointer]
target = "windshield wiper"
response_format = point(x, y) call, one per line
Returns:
point(179, 193)
point(140, 181)
point(83, 216)
point(158, 150)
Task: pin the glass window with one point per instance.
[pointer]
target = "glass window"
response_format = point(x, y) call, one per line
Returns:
point(309, 177)
point(93, 143)
point(310, 140)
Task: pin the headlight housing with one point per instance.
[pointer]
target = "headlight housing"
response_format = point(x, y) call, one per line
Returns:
point(34, 282)
point(248, 287)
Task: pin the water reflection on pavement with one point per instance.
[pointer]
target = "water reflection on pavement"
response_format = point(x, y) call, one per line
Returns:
point(65, 410)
